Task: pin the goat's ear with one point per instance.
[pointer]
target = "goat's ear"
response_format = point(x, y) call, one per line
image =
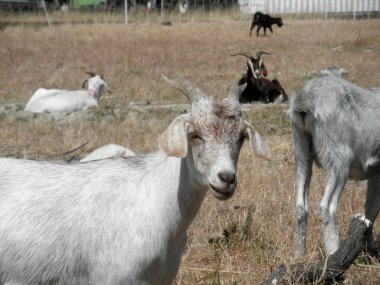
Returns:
point(258, 146)
point(173, 141)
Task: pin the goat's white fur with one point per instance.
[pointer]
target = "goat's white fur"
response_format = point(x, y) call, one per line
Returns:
point(333, 70)
point(57, 100)
point(335, 124)
point(108, 151)
point(119, 221)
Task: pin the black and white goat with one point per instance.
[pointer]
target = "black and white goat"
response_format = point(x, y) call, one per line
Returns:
point(264, 21)
point(259, 88)
point(336, 124)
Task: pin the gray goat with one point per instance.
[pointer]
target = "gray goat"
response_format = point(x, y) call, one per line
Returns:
point(336, 124)
point(121, 221)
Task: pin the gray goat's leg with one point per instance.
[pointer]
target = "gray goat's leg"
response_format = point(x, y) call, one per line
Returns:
point(328, 207)
point(303, 184)
point(372, 207)
point(304, 163)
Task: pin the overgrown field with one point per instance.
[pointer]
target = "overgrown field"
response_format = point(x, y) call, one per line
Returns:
point(260, 216)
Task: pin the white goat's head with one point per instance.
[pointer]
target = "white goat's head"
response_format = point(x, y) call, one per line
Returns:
point(96, 82)
point(211, 136)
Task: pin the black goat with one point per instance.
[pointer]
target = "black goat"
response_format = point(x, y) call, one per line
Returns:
point(265, 21)
point(259, 88)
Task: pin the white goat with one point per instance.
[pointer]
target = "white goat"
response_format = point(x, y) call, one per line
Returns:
point(57, 100)
point(108, 151)
point(120, 221)
point(336, 124)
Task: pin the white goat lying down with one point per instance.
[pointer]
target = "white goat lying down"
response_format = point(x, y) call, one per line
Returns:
point(336, 124)
point(108, 151)
point(120, 221)
point(57, 100)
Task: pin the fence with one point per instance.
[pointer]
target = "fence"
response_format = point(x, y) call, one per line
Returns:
point(121, 10)
point(310, 6)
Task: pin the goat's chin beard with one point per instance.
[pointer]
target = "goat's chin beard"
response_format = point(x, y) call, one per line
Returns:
point(220, 195)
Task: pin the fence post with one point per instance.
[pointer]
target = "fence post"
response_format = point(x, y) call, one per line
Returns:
point(162, 11)
point(126, 11)
point(46, 13)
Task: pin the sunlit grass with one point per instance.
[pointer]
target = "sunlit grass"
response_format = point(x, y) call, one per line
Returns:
point(133, 56)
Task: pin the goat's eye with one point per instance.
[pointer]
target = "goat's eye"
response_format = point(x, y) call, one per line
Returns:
point(196, 138)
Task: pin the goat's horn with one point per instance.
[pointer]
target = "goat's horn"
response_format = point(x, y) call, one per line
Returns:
point(92, 74)
point(246, 54)
point(84, 83)
point(191, 91)
point(260, 53)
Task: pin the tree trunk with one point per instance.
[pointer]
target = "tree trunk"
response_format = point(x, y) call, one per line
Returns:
point(329, 270)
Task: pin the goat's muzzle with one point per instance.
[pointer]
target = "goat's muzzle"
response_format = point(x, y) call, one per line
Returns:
point(224, 186)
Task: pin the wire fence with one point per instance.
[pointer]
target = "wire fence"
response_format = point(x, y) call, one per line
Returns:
point(180, 6)
point(43, 13)
point(52, 12)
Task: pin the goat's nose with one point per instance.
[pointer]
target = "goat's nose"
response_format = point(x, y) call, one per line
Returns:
point(227, 176)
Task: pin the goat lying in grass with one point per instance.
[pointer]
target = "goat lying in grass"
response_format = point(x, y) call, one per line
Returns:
point(121, 221)
point(57, 100)
point(259, 89)
point(335, 124)
point(108, 151)
point(264, 21)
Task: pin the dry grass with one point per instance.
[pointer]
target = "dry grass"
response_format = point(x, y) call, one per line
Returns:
point(132, 57)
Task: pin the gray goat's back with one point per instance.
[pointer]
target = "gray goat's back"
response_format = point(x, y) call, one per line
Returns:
point(327, 96)
point(342, 119)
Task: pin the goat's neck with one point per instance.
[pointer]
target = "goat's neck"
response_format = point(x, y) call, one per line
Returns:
point(252, 79)
point(95, 91)
point(183, 198)
point(94, 94)
point(192, 189)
